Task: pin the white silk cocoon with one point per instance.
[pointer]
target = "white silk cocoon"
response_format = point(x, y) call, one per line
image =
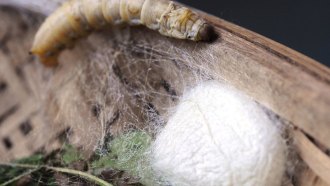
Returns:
point(217, 136)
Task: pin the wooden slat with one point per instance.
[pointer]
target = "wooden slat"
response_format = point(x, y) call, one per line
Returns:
point(14, 92)
point(22, 114)
point(20, 148)
point(312, 156)
point(309, 178)
point(8, 105)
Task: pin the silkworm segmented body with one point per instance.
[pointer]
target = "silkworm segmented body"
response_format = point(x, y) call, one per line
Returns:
point(77, 18)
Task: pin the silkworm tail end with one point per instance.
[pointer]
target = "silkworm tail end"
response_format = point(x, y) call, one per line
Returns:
point(48, 61)
point(51, 61)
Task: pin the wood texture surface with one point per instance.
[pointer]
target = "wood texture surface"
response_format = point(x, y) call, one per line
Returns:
point(24, 130)
point(23, 127)
point(317, 160)
point(309, 178)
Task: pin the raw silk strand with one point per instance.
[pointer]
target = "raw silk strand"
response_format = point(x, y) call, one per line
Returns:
point(218, 136)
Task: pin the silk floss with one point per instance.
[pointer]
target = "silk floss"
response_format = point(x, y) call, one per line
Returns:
point(218, 136)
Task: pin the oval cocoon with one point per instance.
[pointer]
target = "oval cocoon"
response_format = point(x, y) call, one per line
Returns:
point(218, 136)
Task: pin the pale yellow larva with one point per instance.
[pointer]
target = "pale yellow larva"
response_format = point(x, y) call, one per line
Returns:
point(77, 18)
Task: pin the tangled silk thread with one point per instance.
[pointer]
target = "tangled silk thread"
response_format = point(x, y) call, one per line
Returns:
point(217, 136)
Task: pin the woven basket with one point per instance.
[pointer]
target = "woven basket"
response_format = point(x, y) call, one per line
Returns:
point(32, 97)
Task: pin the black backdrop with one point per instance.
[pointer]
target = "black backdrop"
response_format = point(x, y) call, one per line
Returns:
point(303, 25)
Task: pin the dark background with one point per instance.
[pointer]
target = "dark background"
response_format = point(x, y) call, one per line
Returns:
point(303, 25)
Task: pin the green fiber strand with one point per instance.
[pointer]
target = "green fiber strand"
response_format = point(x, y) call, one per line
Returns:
point(19, 177)
point(63, 170)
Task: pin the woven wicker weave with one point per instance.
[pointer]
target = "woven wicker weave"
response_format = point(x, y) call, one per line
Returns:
point(30, 115)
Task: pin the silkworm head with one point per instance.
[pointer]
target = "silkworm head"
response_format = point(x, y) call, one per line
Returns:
point(206, 33)
point(182, 23)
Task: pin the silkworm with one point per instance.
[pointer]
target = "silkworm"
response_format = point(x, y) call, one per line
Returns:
point(77, 18)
